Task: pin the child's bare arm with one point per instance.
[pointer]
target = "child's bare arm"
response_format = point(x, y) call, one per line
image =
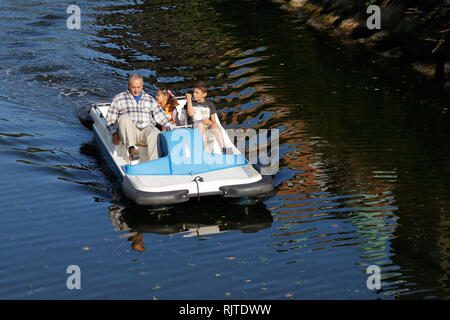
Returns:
point(190, 109)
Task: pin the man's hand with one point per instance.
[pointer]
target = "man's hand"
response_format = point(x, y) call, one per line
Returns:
point(188, 96)
point(116, 139)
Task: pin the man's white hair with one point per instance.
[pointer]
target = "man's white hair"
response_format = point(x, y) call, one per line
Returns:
point(136, 76)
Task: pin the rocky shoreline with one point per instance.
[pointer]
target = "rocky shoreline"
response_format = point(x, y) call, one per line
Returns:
point(415, 33)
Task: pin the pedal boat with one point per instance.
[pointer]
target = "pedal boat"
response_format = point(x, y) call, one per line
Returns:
point(185, 168)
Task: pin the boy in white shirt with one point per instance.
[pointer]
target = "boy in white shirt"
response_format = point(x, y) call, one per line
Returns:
point(203, 112)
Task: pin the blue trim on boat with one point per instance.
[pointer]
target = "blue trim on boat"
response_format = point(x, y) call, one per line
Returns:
point(187, 156)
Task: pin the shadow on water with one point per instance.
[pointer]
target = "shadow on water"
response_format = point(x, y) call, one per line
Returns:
point(194, 219)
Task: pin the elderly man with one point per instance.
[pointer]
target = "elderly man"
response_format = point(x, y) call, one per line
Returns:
point(132, 119)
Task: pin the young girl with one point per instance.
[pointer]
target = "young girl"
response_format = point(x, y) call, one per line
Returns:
point(168, 102)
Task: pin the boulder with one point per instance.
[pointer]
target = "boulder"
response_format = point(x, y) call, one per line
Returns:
point(349, 26)
point(287, 7)
point(313, 8)
point(379, 36)
point(378, 39)
point(324, 21)
point(297, 3)
point(396, 52)
point(426, 68)
point(391, 15)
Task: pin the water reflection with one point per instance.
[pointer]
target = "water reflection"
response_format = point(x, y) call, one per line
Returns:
point(210, 216)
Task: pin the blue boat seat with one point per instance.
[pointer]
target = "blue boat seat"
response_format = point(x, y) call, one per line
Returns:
point(185, 155)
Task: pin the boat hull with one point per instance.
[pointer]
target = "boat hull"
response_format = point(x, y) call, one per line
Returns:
point(240, 181)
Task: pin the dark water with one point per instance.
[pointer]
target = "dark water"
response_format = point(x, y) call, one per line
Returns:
point(364, 168)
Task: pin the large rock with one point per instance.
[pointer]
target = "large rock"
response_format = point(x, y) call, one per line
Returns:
point(396, 52)
point(349, 26)
point(297, 3)
point(353, 27)
point(426, 68)
point(382, 41)
point(379, 36)
point(324, 21)
point(391, 15)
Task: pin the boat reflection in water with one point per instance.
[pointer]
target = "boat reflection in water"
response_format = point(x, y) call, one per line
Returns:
point(196, 219)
